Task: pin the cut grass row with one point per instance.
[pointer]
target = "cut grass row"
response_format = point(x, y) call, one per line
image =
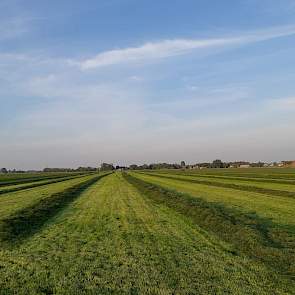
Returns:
point(14, 178)
point(13, 202)
point(249, 234)
point(230, 184)
point(115, 239)
point(259, 173)
point(256, 179)
point(29, 220)
point(280, 210)
point(19, 187)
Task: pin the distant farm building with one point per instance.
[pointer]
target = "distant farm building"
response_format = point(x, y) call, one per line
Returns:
point(244, 166)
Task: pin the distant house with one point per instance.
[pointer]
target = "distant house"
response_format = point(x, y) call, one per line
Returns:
point(234, 165)
point(244, 166)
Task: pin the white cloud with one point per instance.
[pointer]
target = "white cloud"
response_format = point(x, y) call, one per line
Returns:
point(168, 48)
point(14, 27)
point(136, 78)
point(192, 87)
point(150, 51)
point(100, 117)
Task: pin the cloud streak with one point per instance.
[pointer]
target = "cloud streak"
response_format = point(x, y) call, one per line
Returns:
point(168, 48)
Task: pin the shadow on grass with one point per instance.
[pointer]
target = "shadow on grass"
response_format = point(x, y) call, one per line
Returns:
point(28, 221)
point(249, 234)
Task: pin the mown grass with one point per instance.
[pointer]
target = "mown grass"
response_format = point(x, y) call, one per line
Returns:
point(13, 202)
point(36, 183)
point(19, 178)
point(249, 234)
point(266, 173)
point(279, 209)
point(290, 183)
point(27, 221)
point(115, 239)
point(231, 185)
point(246, 179)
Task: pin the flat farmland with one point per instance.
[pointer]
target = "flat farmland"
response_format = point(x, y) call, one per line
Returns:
point(150, 232)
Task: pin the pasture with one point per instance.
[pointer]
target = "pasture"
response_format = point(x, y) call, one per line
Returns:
point(211, 231)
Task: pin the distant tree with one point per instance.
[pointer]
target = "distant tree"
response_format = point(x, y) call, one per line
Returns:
point(107, 167)
point(133, 167)
point(3, 170)
point(182, 164)
point(217, 164)
point(259, 164)
point(86, 169)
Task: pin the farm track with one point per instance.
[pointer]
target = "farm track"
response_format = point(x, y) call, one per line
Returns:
point(249, 234)
point(29, 220)
point(248, 188)
point(36, 184)
point(114, 239)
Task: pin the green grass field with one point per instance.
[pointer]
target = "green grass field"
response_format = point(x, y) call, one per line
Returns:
point(150, 232)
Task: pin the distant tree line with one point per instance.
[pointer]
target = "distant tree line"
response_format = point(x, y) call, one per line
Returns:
point(4, 171)
point(154, 166)
point(215, 164)
point(80, 169)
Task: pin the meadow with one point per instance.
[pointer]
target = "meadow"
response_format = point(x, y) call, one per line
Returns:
point(211, 231)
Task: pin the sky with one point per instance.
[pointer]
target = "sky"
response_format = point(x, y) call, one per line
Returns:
point(144, 81)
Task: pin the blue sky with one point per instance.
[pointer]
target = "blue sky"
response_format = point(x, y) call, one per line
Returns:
point(128, 81)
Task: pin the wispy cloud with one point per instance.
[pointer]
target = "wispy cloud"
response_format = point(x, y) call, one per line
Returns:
point(14, 27)
point(168, 48)
point(149, 51)
point(60, 108)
